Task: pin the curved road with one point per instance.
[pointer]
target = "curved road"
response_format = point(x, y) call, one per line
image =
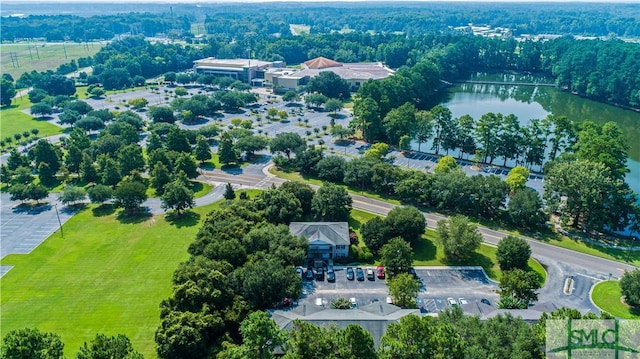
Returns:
point(248, 176)
point(560, 263)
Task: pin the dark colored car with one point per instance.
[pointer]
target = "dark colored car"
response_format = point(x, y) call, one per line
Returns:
point(412, 271)
point(359, 274)
point(309, 274)
point(350, 275)
point(331, 276)
point(380, 272)
point(300, 272)
point(319, 274)
point(485, 301)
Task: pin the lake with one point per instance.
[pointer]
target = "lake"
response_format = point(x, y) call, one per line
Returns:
point(536, 102)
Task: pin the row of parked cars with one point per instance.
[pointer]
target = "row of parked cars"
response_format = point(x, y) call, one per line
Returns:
point(317, 274)
point(358, 273)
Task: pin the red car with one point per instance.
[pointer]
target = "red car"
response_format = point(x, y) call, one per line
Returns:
point(380, 272)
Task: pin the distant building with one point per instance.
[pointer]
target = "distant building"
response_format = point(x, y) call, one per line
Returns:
point(354, 73)
point(246, 70)
point(274, 73)
point(327, 240)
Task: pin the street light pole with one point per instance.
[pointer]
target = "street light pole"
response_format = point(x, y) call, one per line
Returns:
point(59, 222)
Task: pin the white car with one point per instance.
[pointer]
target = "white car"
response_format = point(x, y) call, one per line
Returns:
point(462, 301)
point(354, 302)
point(389, 300)
point(452, 302)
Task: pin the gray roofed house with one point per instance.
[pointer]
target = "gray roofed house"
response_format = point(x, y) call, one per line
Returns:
point(327, 240)
point(374, 317)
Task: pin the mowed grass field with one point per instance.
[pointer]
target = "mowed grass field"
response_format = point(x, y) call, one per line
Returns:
point(105, 276)
point(606, 295)
point(13, 120)
point(51, 55)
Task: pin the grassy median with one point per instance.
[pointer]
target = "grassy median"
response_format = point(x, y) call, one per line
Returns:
point(607, 296)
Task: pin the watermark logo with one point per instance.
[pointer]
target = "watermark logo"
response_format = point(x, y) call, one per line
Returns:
point(590, 338)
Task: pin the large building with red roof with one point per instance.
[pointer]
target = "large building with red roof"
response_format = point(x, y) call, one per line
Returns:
point(264, 73)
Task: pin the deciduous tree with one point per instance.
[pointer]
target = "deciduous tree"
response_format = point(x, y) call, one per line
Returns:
point(519, 285)
point(130, 195)
point(630, 285)
point(72, 195)
point(458, 237)
point(406, 222)
point(114, 347)
point(396, 256)
point(100, 193)
point(31, 343)
point(177, 196)
point(331, 203)
point(404, 290)
point(513, 252)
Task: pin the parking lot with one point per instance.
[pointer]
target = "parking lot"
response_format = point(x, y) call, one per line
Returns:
point(24, 228)
point(438, 285)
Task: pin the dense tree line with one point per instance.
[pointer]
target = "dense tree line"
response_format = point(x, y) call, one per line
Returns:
point(32, 343)
point(82, 29)
point(411, 19)
point(274, 19)
point(242, 260)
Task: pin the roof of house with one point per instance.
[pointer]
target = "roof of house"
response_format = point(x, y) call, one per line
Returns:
point(374, 317)
point(321, 63)
point(353, 71)
point(335, 233)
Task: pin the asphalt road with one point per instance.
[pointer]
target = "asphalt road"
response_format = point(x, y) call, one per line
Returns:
point(583, 263)
point(560, 263)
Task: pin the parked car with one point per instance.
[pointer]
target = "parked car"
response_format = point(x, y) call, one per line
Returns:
point(309, 275)
point(485, 301)
point(452, 302)
point(354, 303)
point(350, 274)
point(370, 274)
point(320, 274)
point(462, 301)
point(380, 272)
point(331, 276)
point(359, 274)
point(389, 300)
point(300, 271)
point(413, 272)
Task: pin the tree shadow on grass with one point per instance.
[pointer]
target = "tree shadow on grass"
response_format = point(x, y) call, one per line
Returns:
point(104, 209)
point(126, 217)
point(186, 219)
point(424, 250)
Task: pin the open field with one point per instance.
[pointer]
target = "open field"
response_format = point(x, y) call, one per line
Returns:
point(13, 120)
point(606, 295)
point(42, 56)
point(106, 275)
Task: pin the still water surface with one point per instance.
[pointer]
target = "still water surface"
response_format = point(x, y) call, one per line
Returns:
point(536, 102)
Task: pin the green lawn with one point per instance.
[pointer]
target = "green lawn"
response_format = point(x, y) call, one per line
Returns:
point(106, 275)
point(13, 120)
point(427, 253)
point(606, 295)
point(43, 57)
point(296, 176)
